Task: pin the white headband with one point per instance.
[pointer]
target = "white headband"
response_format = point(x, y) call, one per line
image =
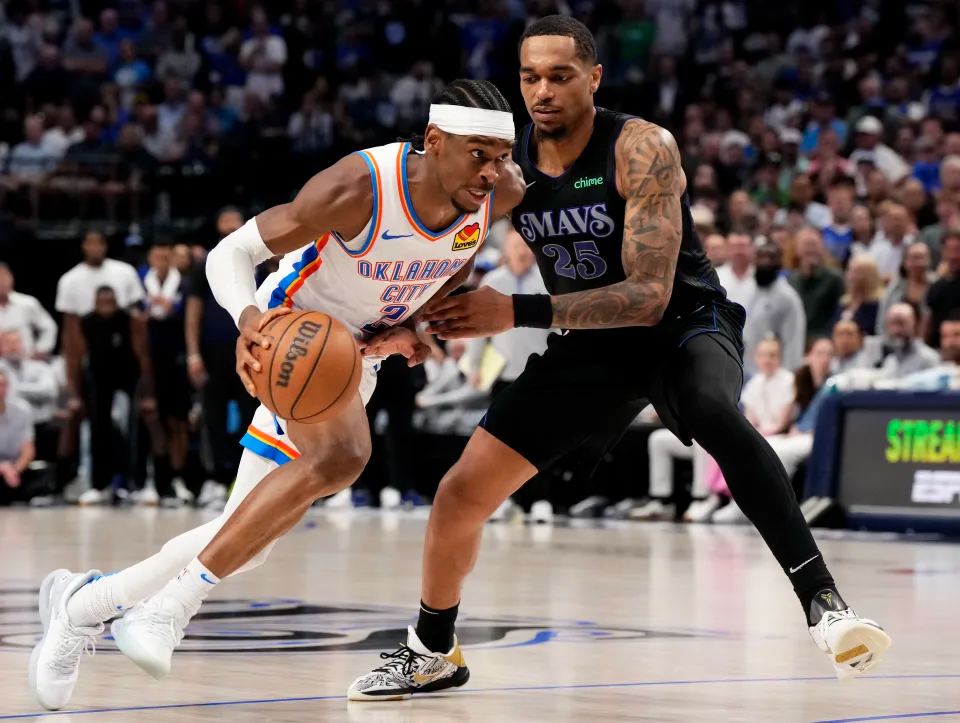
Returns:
point(463, 121)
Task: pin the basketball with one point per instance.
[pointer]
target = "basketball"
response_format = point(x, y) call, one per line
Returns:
point(311, 370)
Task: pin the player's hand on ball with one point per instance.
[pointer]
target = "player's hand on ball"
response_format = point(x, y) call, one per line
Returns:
point(397, 340)
point(252, 322)
point(483, 312)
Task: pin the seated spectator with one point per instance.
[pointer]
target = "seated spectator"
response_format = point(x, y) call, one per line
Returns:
point(918, 205)
point(869, 133)
point(155, 38)
point(945, 374)
point(311, 129)
point(864, 291)
point(82, 56)
point(894, 236)
point(49, 82)
point(131, 74)
point(910, 285)
point(715, 246)
point(26, 316)
point(263, 56)
point(17, 449)
point(775, 308)
point(35, 382)
point(905, 353)
point(111, 36)
point(943, 298)
point(848, 343)
point(31, 161)
point(820, 287)
point(174, 106)
point(861, 224)
point(838, 236)
point(181, 59)
point(738, 277)
point(65, 133)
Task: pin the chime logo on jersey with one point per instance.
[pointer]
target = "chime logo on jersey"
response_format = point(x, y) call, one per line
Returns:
point(467, 238)
point(577, 221)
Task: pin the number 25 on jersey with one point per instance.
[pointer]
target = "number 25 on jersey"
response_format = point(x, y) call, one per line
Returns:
point(587, 262)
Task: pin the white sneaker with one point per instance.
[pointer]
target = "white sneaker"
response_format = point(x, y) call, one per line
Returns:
point(342, 500)
point(149, 633)
point(654, 509)
point(390, 498)
point(147, 497)
point(93, 497)
point(541, 512)
point(411, 669)
point(212, 491)
point(55, 660)
point(729, 515)
point(504, 512)
point(854, 644)
point(702, 510)
point(181, 491)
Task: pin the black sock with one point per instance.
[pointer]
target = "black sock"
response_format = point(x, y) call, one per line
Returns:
point(435, 627)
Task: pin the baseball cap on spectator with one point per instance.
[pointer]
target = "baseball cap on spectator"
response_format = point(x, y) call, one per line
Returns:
point(790, 136)
point(734, 138)
point(869, 124)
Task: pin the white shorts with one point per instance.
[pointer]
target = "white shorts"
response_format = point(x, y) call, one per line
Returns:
point(267, 434)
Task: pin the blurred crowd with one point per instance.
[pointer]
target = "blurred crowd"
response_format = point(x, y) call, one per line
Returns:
point(821, 145)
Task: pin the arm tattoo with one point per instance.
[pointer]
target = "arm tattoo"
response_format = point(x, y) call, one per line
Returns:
point(652, 183)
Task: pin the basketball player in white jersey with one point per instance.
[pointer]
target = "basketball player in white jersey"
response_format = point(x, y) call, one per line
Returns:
point(369, 241)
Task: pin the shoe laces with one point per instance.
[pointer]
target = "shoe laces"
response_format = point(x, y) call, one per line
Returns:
point(75, 640)
point(158, 621)
point(402, 661)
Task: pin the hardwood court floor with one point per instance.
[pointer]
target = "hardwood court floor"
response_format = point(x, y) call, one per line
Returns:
point(638, 622)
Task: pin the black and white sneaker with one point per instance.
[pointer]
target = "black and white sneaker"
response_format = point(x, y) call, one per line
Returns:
point(855, 645)
point(411, 669)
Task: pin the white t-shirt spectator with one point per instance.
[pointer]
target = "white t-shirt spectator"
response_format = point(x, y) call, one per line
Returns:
point(24, 314)
point(739, 290)
point(58, 141)
point(264, 52)
point(77, 289)
point(766, 398)
point(889, 257)
point(16, 428)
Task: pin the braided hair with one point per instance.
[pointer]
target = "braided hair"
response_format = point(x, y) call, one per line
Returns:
point(469, 94)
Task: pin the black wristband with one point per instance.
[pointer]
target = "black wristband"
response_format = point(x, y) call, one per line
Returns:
point(532, 310)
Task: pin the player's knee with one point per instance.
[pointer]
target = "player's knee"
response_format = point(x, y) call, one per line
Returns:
point(331, 472)
point(463, 498)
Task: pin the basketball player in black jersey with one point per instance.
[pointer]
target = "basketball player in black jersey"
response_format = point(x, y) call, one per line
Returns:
point(645, 320)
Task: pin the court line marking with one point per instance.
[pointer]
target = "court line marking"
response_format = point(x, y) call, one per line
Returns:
point(513, 689)
point(896, 716)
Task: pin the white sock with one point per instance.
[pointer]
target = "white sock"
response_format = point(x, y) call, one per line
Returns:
point(107, 596)
point(189, 589)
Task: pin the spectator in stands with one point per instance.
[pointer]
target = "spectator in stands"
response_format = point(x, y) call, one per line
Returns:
point(775, 307)
point(738, 277)
point(919, 207)
point(820, 286)
point(943, 298)
point(82, 56)
point(950, 178)
point(211, 340)
point(65, 133)
point(114, 344)
point(894, 236)
point(49, 82)
point(77, 294)
point(944, 375)
point(110, 36)
point(171, 111)
point(35, 383)
point(838, 236)
point(25, 315)
point(848, 346)
point(30, 161)
point(24, 35)
point(156, 37)
point(910, 285)
point(311, 129)
point(183, 262)
point(412, 93)
point(263, 56)
point(181, 59)
point(802, 194)
point(948, 217)
point(163, 287)
point(864, 291)
point(863, 229)
point(17, 449)
point(869, 134)
point(715, 246)
point(905, 352)
point(131, 74)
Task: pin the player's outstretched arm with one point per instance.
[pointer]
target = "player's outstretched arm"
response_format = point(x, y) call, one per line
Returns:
point(652, 182)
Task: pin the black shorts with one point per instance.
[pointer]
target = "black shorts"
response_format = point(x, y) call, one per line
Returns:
point(589, 385)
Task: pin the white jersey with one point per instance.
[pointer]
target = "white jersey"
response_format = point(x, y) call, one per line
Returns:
point(392, 268)
point(370, 282)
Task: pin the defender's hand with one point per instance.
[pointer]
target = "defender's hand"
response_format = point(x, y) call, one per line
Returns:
point(484, 312)
point(397, 340)
point(252, 321)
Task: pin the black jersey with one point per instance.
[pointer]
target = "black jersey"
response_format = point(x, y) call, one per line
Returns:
point(574, 223)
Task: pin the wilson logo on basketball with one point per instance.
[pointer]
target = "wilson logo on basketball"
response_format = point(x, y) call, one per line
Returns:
point(467, 238)
point(306, 332)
